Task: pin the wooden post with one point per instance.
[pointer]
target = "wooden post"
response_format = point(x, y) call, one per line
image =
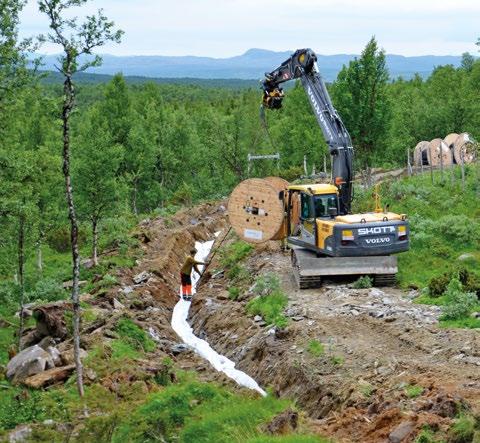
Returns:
point(325, 164)
point(409, 166)
point(305, 165)
point(462, 165)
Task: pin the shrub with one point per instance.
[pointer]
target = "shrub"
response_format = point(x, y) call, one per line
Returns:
point(20, 406)
point(159, 417)
point(135, 335)
point(315, 348)
point(459, 303)
point(47, 290)
point(364, 282)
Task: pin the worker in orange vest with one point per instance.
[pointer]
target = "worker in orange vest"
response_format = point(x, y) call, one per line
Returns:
point(186, 274)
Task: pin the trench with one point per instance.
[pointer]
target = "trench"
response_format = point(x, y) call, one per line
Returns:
point(201, 347)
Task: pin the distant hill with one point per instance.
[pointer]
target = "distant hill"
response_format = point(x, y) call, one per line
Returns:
point(53, 77)
point(251, 65)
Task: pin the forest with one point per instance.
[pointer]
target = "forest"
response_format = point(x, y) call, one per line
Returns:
point(146, 148)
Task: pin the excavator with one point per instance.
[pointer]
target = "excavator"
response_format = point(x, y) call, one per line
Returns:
point(325, 237)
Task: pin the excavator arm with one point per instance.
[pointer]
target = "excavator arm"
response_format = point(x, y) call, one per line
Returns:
point(303, 65)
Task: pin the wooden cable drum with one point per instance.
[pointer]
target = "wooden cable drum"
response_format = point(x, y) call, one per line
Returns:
point(450, 139)
point(280, 185)
point(466, 146)
point(255, 210)
point(438, 153)
point(418, 153)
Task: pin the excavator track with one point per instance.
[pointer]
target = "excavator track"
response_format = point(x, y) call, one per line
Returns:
point(308, 269)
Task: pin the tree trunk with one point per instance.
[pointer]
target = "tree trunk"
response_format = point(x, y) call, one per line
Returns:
point(39, 257)
point(68, 103)
point(135, 197)
point(94, 241)
point(21, 280)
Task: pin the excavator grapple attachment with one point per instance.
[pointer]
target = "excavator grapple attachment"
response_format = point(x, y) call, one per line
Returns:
point(309, 270)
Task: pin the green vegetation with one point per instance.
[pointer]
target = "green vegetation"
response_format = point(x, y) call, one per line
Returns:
point(233, 292)
point(235, 253)
point(315, 348)
point(426, 435)
point(270, 300)
point(443, 226)
point(134, 335)
point(413, 391)
point(364, 282)
point(463, 429)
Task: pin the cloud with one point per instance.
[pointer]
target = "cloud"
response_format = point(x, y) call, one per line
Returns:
point(221, 28)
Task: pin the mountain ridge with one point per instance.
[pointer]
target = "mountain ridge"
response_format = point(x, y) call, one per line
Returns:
point(250, 65)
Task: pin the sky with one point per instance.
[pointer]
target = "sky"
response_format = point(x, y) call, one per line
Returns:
point(225, 28)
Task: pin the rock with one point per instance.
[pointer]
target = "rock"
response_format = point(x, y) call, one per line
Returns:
point(89, 374)
point(55, 354)
point(127, 290)
point(401, 432)
point(284, 423)
point(257, 318)
point(194, 221)
point(20, 434)
point(48, 422)
point(69, 284)
point(28, 362)
point(27, 313)
point(142, 277)
point(88, 263)
point(117, 304)
point(475, 315)
point(297, 318)
point(49, 377)
point(179, 348)
point(467, 256)
point(67, 357)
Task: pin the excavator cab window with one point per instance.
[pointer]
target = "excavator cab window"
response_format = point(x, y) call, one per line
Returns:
point(323, 203)
point(306, 209)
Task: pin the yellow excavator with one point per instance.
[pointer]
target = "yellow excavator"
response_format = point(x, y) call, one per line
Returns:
point(325, 237)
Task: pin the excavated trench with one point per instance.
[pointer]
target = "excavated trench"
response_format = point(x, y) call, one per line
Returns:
point(375, 342)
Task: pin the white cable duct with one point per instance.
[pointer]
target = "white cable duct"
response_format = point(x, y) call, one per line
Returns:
point(201, 347)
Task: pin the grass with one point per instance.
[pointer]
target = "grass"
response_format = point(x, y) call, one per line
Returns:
point(466, 323)
point(413, 391)
point(364, 282)
point(463, 429)
point(233, 292)
point(134, 335)
point(270, 300)
point(234, 253)
point(315, 348)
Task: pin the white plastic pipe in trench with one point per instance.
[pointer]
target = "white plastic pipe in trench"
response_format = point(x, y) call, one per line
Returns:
point(201, 347)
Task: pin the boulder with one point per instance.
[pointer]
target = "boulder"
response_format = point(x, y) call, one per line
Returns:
point(49, 377)
point(142, 277)
point(401, 432)
point(28, 362)
point(68, 358)
point(20, 434)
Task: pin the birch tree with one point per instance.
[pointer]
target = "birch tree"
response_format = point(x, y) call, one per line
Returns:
point(77, 41)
